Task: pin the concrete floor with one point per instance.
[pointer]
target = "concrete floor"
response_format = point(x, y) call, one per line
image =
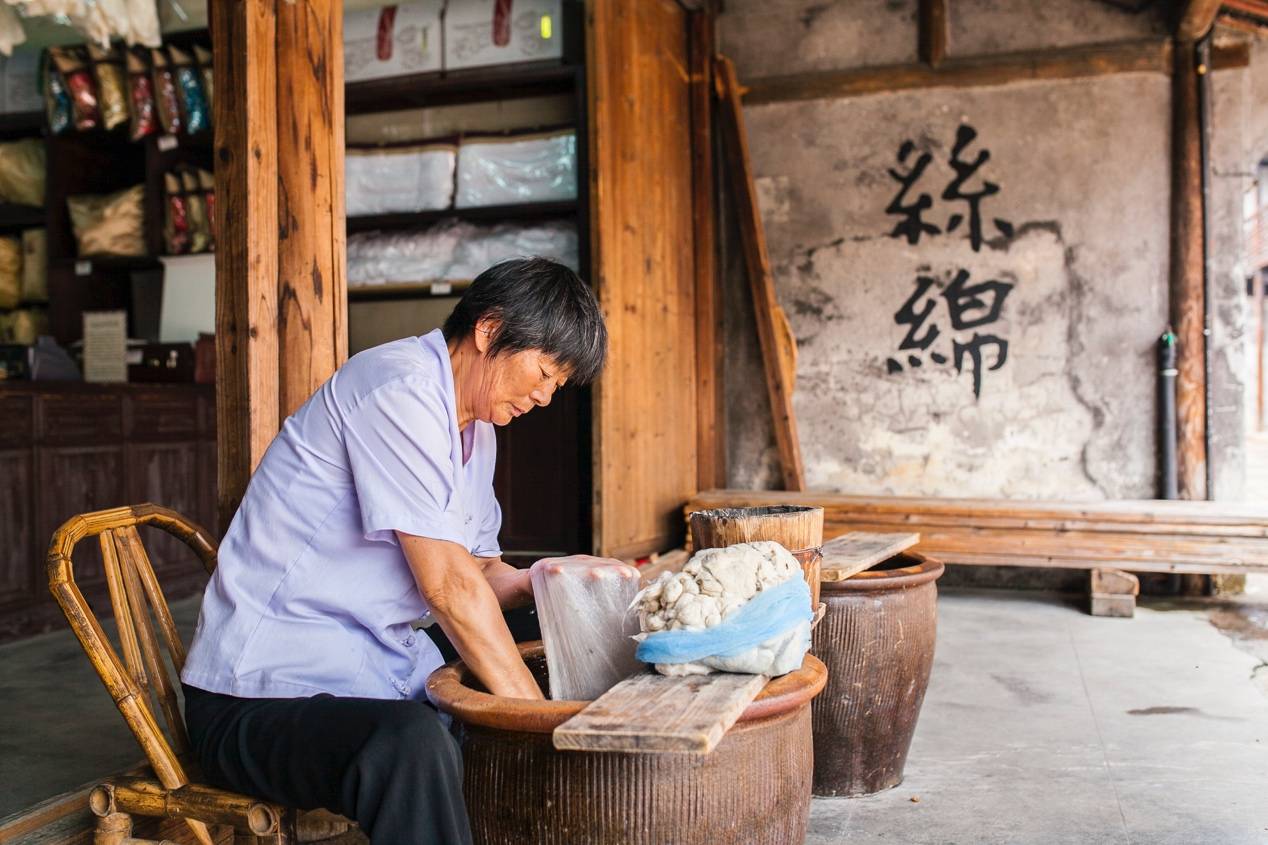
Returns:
point(1042, 725)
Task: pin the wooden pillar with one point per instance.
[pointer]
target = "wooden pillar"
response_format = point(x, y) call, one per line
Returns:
point(711, 410)
point(932, 22)
point(281, 297)
point(1188, 278)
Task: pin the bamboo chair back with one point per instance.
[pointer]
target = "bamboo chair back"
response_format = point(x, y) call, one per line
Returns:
point(140, 678)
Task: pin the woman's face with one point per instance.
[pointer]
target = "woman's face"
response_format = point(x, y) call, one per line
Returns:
point(511, 384)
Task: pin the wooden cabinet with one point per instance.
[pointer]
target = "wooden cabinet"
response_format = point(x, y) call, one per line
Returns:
point(72, 448)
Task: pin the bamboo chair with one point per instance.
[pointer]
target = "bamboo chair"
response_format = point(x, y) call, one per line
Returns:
point(141, 678)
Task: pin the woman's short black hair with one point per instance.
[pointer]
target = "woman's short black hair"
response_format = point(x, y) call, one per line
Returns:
point(542, 305)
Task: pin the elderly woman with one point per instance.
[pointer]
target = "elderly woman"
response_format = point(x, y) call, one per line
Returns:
point(374, 508)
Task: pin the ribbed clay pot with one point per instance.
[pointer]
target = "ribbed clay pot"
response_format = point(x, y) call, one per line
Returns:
point(752, 789)
point(877, 640)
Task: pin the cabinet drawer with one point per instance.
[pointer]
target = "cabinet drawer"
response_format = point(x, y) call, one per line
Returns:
point(16, 422)
point(166, 415)
point(80, 418)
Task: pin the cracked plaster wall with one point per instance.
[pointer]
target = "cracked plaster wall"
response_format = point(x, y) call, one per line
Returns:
point(1083, 174)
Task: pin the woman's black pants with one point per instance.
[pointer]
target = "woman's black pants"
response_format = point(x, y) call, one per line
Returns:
point(389, 765)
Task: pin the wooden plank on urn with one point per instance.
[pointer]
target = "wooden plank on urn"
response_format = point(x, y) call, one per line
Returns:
point(312, 296)
point(245, 120)
point(653, 713)
point(644, 271)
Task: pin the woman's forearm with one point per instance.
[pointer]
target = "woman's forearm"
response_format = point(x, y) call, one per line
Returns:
point(511, 586)
point(466, 607)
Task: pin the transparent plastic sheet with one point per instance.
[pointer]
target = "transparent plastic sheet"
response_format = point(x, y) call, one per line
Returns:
point(395, 179)
point(453, 251)
point(109, 224)
point(22, 171)
point(35, 265)
point(583, 606)
point(10, 272)
point(745, 608)
point(517, 169)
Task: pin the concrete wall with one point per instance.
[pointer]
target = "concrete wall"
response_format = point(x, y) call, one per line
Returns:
point(1078, 267)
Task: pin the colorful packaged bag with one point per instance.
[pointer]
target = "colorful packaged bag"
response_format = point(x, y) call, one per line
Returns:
point(176, 236)
point(165, 95)
point(189, 85)
point(112, 87)
point(72, 63)
point(141, 96)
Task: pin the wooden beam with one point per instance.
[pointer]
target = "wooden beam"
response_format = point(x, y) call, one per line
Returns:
point(1254, 8)
point(312, 287)
point(778, 348)
point(1138, 56)
point(711, 409)
point(1144, 536)
point(1188, 273)
point(932, 20)
point(1196, 19)
point(245, 117)
point(1245, 23)
point(281, 298)
point(1230, 56)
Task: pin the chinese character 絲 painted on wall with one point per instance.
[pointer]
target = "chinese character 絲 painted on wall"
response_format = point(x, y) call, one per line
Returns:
point(967, 305)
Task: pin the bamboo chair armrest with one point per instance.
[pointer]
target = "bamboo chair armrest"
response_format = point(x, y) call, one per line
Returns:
point(145, 797)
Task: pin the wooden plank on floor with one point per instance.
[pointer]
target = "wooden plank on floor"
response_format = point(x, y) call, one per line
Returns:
point(855, 551)
point(653, 713)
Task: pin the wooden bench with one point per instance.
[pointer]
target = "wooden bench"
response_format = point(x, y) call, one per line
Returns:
point(1112, 539)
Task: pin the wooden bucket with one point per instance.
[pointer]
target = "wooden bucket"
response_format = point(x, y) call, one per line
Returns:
point(798, 529)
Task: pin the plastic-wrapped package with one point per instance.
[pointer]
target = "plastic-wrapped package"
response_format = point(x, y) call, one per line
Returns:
point(73, 65)
point(453, 251)
point(111, 85)
point(203, 56)
point(11, 32)
point(745, 608)
point(109, 224)
point(474, 255)
point(196, 203)
point(500, 170)
point(392, 179)
point(583, 606)
point(23, 326)
point(35, 265)
point(141, 95)
point(196, 111)
point(61, 114)
point(10, 272)
point(165, 97)
point(22, 171)
point(176, 236)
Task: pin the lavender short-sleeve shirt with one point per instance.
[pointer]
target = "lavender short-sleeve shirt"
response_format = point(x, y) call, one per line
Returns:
point(312, 593)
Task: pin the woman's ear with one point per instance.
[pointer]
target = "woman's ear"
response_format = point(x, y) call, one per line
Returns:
point(486, 328)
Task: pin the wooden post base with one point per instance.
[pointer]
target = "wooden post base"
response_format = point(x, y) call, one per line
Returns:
point(1114, 593)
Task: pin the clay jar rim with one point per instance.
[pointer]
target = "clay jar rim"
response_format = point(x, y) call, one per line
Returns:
point(925, 570)
point(447, 687)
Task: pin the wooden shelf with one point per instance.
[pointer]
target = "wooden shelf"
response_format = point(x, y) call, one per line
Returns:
point(22, 122)
point(13, 216)
point(441, 88)
point(421, 219)
point(406, 290)
point(109, 262)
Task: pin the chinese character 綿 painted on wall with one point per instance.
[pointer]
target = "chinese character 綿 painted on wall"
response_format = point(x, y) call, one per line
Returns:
point(968, 305)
